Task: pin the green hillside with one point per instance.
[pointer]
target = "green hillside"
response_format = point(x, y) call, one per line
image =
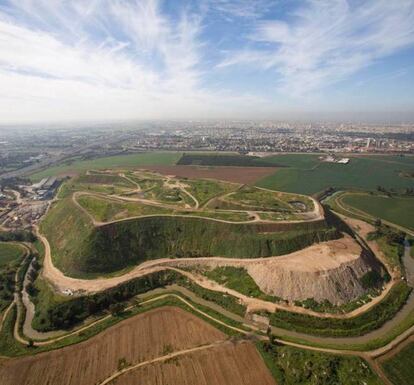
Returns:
point(81, 250)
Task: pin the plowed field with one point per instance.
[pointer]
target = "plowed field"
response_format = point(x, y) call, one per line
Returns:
point(138, 339)
point(229, 364)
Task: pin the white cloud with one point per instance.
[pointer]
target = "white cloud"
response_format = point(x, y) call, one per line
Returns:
point(241, 8)
point(327, 41)
point(146, 65)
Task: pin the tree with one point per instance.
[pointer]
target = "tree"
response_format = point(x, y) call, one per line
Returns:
point(116, 308)
point(378, 222)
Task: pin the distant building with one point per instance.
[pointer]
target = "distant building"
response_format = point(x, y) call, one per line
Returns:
point(344, 161)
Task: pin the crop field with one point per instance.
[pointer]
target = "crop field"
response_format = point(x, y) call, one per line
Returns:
point(229, 364)
point(132, 160)
point(215, 159)
point(137, 339)
point(305, 174)
point(395, 209)
point(399, 367)
point(243, 175)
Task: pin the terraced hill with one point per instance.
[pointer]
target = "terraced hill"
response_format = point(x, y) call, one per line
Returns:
point(81, 249)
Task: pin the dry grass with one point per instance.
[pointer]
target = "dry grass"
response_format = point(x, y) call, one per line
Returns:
point(140, 338)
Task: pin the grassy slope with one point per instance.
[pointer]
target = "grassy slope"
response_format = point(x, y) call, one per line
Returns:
point(305, 175)
point(132, 160)
point(9, 252)
point(399, 368)
point(68, 230)
point(398, 210)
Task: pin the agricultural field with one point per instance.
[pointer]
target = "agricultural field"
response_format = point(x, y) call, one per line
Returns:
point(399, 367)
point(395, 209)
point(215, 159)
point(233, 174)
point(138, 339)
point(305, 174)
point(133, 160)
point(229, 364)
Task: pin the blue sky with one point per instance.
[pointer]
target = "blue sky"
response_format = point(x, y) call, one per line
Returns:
point(172, 59)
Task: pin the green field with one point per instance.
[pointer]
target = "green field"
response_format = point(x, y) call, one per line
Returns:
point(220, 159)
point(398, 210)
point(305, 174)
point(400, 368)
point(294, 366)
point(132, 160)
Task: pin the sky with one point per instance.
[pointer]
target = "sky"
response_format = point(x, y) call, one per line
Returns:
point(76, 60)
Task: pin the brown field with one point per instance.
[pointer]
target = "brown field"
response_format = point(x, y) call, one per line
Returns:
point(140, 338)
point(244, 175)
point(227, 364)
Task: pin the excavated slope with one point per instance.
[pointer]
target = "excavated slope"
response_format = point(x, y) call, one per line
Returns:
point(330, 270)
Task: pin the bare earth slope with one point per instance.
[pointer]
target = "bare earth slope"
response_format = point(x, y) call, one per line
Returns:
point(330, 270)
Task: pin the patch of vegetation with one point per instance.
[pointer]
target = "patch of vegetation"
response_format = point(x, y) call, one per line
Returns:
point(294, 366)
point(399, 368)
point(64, 313)
point(215, 159)
point(238, 279)
point(11, 256)
point(105, 209)
point(204, 189)
point(256, 199)
point(17, 236)
point(345, 327)
point(391, 243)
point(361, 173)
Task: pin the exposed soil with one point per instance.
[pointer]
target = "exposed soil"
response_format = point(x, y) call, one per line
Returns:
point(244, 175)
point(140, 338)
point(227, 364)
